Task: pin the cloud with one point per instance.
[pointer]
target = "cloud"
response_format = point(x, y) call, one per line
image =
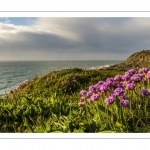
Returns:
point(102, 34)
point(74, 38)
point(5, 19)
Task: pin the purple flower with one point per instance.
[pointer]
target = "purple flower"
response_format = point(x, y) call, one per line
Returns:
point(83, 93)
point(118, 78)
point(124, 83)
point(114, 84)
point(110, 79)
point(92, 88)
point(129, 81)
point(82, 98)
point(120, 85)
point(143, 70)
point(95, 97)
point(98, 88)
point(144, 92)
point(110, 82)
point(112, 93)
point(124, 103)
point(137, 77)
point(96, 85)
point(89, 100)
point(100, 82)
point(131, 72)
point(81, 104)
point(104, 88)
point(118, 92)
point(126, 77)
point(148, 75)
point(109, 100)
point(89, 93)
point(130, 86)
point(141, 75)
point(123, 96)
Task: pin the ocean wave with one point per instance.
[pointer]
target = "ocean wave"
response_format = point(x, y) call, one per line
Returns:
point(11, 75)
point(101, 67)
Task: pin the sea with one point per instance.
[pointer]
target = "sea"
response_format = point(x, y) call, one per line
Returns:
point(14, 72)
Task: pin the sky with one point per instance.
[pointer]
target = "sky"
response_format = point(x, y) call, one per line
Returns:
point(72, 38)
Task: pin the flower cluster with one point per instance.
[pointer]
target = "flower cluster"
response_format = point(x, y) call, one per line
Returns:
point(109, 100)
point(144, 92)
point(124, 103)
point(116, 89)
point(130, 86)
point(143, 70)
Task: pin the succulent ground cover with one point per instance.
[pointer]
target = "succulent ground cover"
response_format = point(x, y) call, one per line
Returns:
point(77, 100)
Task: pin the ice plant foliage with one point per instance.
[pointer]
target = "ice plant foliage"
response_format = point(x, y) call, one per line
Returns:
point(121, 96)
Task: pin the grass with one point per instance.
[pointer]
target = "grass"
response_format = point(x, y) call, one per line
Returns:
point(49, 104)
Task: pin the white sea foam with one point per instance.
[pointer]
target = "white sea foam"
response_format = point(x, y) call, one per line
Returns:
point(22, 84)
point(101, 67)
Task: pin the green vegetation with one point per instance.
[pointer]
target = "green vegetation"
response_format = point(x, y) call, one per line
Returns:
point(50, 104)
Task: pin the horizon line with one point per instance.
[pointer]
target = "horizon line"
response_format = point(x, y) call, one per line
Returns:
point(61, 60)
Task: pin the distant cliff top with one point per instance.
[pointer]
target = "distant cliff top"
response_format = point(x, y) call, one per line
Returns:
point(136, 60)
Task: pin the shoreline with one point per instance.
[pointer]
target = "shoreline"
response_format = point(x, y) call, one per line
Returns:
point(6, 90)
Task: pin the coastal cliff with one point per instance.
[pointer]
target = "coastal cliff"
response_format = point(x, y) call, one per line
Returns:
point(136, 60)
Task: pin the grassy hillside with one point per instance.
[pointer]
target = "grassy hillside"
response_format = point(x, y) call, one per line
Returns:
point(49, 103)
point(77, 100)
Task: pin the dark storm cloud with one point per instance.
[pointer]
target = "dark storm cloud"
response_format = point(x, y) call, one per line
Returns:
point(27, 41)
point(115, 36)
point(81, 38)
